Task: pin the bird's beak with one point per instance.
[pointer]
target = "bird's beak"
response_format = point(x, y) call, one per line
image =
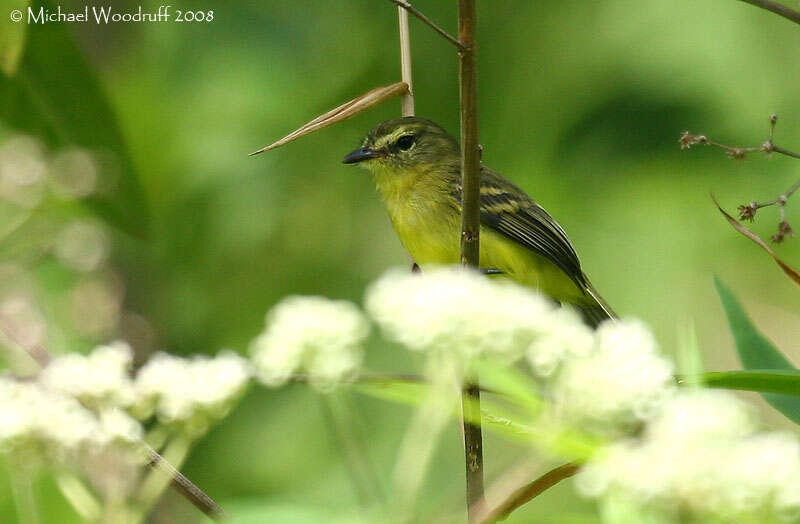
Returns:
point(359, 155)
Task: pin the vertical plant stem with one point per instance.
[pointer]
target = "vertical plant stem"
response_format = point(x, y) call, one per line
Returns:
point(473, 449)
point(470, 153)
point(338, 416)
point(405, 71)
point(470, 236)
point(22, 489)
point(405, 62)
point(419, 443)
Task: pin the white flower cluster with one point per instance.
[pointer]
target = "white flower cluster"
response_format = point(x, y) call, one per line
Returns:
point(83, 402)
point(621, 381)
point(612, 376)
point(315, 335)
point(35, 417)
point(191, 392)
point(702, 454)
point(99, 379)
point(698, 454)
point(457, 311)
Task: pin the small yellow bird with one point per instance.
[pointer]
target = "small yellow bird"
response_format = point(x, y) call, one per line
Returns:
point(416, 166)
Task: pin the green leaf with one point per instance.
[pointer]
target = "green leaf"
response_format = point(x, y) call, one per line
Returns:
point(394, 390)
point(759, 380)
point(12, 36)
point(756, 352)
point(503, 413)
point(511, 383)
point(689, 357)
point(414, 393)
point(54, 95)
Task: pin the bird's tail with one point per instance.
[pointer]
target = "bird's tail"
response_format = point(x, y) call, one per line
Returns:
point(597, 310)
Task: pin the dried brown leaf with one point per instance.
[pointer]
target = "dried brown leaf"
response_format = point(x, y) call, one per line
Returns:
point(341, 113)
point(791, 273)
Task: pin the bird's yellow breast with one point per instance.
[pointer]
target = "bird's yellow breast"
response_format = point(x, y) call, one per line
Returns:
point(429, 225)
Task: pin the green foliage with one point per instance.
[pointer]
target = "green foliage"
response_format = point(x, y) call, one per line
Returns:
point(12, 37)
point(53, 94)
point(760, 380)
point(758, 353)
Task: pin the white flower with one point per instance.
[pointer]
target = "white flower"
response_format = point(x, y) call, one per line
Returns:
point(459, 312)
point(621, 381)
point(702, 454)
point(566, 336)
point(118, 427)
point(34, 414)
point(17, 420)
point(99, 379)
point(314, 334)
point(702, 415)
point(38, 418)
point(192, 391)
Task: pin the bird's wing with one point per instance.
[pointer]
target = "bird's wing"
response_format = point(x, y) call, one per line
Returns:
point(506, 209)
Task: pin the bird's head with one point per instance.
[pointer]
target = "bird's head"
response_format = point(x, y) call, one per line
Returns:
point(403, 144)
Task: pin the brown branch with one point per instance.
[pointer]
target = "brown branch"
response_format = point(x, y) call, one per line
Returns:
point(778, 9)
point(470, 237)
point(748, 211)
point(405, 5)
point(183, 485)
point(530, 491)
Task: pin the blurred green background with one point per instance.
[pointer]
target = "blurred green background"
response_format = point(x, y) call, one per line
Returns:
point(191, 241)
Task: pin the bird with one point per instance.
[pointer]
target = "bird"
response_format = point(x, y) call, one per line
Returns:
point(416, 166)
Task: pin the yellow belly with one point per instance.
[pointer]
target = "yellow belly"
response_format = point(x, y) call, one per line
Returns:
point(438, 243)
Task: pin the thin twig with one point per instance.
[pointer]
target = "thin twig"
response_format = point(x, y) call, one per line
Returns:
point(183, 485)
point(790, 272)
point(778, 9)
point(405, 61)
point(470, 231)
point(688, 140)
point(405, 5)
point(530, 491)
point(748, 211)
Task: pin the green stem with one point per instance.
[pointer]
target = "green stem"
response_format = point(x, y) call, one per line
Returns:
point(22, 489)
point(157, 436)
point(79, 496)
point(343, 426)
point(417, 447)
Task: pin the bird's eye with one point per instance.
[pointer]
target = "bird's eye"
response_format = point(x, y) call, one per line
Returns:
point(405, 142)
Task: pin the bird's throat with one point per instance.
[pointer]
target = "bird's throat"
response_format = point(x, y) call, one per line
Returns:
point(422, 211)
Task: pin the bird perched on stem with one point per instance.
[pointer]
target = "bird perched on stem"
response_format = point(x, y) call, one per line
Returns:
point(416, 166)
